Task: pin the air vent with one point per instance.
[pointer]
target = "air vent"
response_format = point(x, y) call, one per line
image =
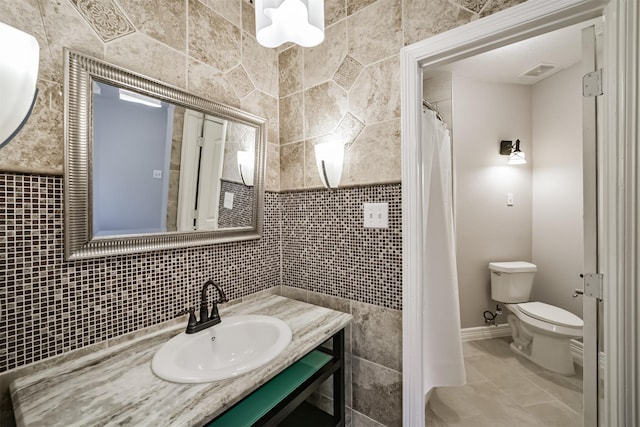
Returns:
point(539, 70)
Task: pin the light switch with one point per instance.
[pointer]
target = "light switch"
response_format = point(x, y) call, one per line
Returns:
point(157, 174)
point(509, 199)
point(376, 215)
point(228, 200)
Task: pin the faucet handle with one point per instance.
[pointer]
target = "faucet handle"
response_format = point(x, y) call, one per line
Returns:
point(192, 316)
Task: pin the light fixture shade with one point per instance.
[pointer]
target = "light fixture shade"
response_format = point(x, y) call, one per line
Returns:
point(297, 21)
point(517, 158)
point(246, 162)
point(329, 160)
point(19, 60)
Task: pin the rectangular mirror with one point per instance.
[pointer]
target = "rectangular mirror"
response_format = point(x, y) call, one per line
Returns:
point(149, 166)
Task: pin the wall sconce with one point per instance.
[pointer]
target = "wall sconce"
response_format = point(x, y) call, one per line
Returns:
point(516, 157)
point(297, 21)
point(329, 160)
point(246, 162)
point(19, 60)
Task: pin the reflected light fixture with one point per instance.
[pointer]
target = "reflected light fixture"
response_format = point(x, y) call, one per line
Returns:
point(297, 21)
point(516, 157)
point(329, 160)
point(129, 96)
point(246, 161)
point(19, 61)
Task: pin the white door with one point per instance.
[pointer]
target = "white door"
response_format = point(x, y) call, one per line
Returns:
point(211, 160)
point(592, 291)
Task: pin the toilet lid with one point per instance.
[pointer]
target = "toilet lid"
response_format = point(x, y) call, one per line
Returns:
point(551, 314)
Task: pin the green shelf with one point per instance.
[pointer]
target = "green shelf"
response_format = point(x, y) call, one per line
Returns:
point(261, 401)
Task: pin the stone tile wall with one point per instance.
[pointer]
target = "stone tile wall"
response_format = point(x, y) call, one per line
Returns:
point(205, 47)
point(348, 88)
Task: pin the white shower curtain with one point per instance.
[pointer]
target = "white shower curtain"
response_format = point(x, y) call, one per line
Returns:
point(442, 346)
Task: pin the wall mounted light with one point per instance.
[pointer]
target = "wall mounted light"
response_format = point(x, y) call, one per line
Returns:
point(516, 157)
point(329, 160)
point(19, 60)
point(246, 162)
point(297, 21)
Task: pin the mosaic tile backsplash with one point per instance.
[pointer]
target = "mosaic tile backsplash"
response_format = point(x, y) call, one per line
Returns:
point(313, 240)
point(49, 306)
point(326, 249)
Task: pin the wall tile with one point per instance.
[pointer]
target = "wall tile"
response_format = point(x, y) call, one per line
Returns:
point(334, 11)
point(494, 6)
point(377, 392)
point(474, 6)
point(290, 67)
point(240, 81)
point(376, 31)
point(261, 64)
point(322, 61)
point(375, 96)
point(40, 143)
point(359, 420)
point(264, 106)
point(325, 248)
point(164, 20)
point(248, 18)
point(207, 82)
point(66, 28)
point(347, 73)
point(52, 306)
point(294, 293)
point(105, 17)
point(324, 106)
point(212, 39)
point(272, 180)
point(141, 54)
point(424, 19)
point(348, 129)
point(292, 166)
point(377, 334)
point(375, 156)
point(355, 5)
point(229, 9)
point(291, 114)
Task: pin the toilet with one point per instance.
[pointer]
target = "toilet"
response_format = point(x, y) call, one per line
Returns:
point(541, 332)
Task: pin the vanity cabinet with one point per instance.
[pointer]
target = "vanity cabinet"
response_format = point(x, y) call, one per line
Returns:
point(281, 401)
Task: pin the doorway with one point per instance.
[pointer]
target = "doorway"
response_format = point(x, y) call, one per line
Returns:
point(617, 180)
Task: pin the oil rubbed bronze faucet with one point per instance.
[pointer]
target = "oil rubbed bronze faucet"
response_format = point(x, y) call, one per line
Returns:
point(206, 320)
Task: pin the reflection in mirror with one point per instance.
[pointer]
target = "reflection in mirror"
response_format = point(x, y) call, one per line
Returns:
point(160, 167)
point(149, 166)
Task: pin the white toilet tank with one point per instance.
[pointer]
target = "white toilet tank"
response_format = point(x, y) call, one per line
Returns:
point(511, 282)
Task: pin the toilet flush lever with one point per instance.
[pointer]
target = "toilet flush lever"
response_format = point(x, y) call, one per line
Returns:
point(577, 292)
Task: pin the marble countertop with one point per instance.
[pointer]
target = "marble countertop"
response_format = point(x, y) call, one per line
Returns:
point(116, 386)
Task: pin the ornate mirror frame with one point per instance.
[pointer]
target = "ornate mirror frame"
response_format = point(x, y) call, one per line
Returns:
point(80, 73)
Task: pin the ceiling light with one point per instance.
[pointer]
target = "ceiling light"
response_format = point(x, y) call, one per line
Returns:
point(297, 21)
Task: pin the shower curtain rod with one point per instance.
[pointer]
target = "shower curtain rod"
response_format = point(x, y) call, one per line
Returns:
point(430, 106)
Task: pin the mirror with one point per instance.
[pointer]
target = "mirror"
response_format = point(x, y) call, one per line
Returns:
point(149, 166)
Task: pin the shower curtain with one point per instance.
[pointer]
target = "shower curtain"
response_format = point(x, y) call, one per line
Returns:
point(442, 346)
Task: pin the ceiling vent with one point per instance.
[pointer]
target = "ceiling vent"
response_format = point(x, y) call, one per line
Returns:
point(539, 70)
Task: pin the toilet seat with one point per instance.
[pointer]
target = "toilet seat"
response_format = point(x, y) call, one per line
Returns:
point(551, 314)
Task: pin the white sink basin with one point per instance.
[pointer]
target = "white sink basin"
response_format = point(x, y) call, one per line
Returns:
point(237, 345)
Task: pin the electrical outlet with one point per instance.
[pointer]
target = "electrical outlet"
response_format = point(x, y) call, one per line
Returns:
point(228, 200)
point(376, 215)
point(157, 174)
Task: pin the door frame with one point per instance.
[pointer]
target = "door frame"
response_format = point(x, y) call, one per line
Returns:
point(618, 176)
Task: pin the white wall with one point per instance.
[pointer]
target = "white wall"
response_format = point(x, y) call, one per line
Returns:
point(557, 189)
point(486, 229)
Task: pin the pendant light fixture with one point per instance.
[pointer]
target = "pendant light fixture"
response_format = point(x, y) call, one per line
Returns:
point(297, 21)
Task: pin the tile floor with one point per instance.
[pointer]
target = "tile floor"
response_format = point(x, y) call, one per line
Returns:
point(504, 389)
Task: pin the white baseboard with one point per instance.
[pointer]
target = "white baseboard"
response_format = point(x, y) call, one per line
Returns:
point(504, 330)
point(485, 332)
